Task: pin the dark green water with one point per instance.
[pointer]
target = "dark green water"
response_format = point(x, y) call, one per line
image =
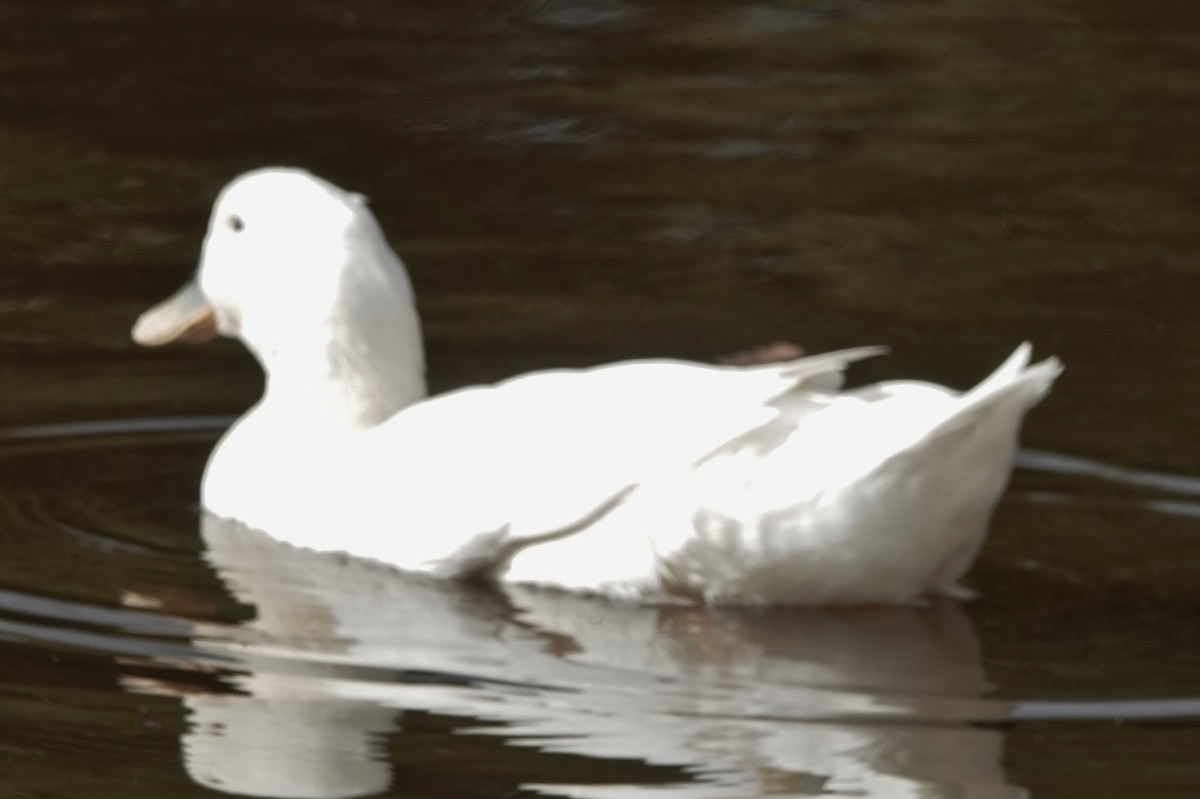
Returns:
point(571, 183)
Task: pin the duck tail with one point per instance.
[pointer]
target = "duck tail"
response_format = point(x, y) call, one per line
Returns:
point(1009, 392)
point(1016, 377)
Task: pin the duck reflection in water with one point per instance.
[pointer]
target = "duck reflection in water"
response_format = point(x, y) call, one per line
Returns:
point(343, 655)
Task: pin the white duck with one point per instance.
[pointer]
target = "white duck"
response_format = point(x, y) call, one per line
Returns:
point(650, 479)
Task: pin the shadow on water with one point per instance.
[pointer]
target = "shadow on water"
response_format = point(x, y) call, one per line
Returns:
point(571, 182)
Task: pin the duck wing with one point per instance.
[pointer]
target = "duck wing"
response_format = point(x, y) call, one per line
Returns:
point(478, 474)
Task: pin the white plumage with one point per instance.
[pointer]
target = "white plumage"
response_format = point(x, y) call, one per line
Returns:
point(647, 479)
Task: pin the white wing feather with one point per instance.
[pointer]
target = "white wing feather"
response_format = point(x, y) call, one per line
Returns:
point(480, 472)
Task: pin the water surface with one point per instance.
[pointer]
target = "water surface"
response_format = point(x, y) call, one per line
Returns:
point(570, 183)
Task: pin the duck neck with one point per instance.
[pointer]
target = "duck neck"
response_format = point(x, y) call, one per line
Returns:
point(355, 384)
point(358, 368)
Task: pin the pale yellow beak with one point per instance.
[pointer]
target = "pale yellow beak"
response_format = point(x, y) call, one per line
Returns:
point(184, 316)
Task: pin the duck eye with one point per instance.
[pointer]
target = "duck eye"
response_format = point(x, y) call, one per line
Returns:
point(235, 223)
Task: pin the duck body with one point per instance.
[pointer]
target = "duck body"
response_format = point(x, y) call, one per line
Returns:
point(644, 479)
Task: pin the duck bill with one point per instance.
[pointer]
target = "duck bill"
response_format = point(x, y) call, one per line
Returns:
point(184, 316)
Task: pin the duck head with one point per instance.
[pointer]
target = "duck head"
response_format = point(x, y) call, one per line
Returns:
point(300, 272)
